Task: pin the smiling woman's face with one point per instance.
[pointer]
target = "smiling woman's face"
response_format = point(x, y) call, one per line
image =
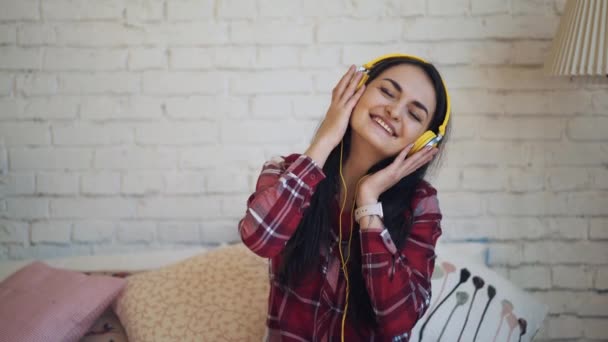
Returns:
point(395, 109)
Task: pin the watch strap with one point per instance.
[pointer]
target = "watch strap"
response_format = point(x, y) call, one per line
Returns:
point(370, 209)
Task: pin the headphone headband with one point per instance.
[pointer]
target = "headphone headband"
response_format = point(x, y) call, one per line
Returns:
point(371, 64)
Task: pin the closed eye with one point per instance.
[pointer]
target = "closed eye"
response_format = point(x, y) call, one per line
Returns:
point(388, 93)
point(415, 117)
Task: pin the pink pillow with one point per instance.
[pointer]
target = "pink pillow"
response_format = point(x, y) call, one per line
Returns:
point(41, 303)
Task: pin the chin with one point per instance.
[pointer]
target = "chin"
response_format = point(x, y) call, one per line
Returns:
point(380, 144)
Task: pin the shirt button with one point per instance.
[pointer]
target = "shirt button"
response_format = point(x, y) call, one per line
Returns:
point(313, 177)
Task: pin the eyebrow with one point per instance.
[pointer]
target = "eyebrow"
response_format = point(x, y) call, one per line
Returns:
point(415, 102)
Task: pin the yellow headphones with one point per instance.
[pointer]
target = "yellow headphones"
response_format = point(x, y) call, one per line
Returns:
point(427, 138)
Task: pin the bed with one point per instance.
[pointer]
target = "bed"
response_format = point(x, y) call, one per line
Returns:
point(197, 294)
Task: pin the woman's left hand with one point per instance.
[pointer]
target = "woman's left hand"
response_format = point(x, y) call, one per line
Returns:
point(375, 184)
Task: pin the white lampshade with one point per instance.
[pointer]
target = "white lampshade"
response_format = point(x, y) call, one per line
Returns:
point(581, 44)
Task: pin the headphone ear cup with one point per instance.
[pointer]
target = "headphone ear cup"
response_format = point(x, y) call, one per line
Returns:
point(422, 141)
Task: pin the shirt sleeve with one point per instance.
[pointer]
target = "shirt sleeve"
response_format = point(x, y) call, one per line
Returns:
point(283, 192)
point(399, 281)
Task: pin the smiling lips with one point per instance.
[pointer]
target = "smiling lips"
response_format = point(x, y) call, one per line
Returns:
point(387, 127)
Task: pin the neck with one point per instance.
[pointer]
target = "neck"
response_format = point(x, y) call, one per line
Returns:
point(362, 156)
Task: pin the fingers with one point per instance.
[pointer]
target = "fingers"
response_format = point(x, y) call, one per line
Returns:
point(418, 159)
point(403, 166)
point(403, 154)
point(352, 85)
point(339, 89)
point(345, 89)
point(427, 155)
point(350, 104)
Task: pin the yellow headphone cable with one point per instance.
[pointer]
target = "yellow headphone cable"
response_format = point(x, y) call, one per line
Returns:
point(428, 138)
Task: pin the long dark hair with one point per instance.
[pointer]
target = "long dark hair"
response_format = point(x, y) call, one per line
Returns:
point(303, 251)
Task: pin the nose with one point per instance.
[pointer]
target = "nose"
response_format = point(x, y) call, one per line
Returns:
point(394, 111)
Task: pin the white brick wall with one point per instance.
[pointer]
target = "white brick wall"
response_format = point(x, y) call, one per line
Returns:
point(142, 124)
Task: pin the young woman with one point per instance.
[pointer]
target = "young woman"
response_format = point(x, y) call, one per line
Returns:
point(331, 278)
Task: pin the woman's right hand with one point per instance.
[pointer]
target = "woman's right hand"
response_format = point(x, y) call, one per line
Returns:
point(344, 97)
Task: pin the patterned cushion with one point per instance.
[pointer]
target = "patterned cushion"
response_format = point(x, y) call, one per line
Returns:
point(216, 296)
point(470, 302)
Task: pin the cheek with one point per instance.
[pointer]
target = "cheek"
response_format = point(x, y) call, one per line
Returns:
point(364, 101)
point(412, 130)
point(361, 109)
point(371, 98)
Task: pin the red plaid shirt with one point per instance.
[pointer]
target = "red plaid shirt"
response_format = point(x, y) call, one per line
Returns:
point(400, 290)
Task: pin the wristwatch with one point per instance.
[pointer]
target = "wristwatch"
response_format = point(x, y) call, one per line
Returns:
point(370, 209)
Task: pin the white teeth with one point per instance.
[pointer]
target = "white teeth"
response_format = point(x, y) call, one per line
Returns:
point(384, 125)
